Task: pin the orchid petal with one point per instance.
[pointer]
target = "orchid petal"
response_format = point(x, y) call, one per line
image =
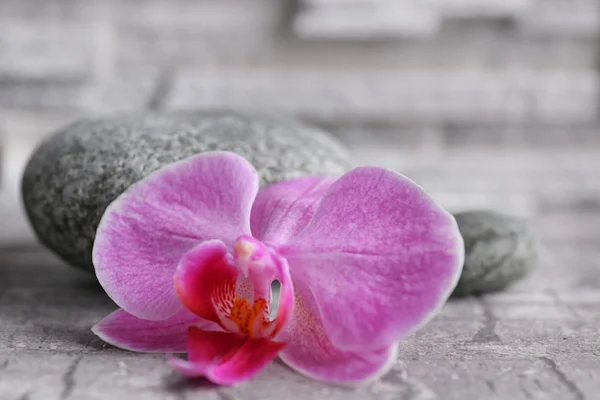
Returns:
point(225, 358)
point(206, 275)
point(311, 353)
point(128, 332)
point(379, 256)
point(283, 209)
point(206, 350)
point(146, 231)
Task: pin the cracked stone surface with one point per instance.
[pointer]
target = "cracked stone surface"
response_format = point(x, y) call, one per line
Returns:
point(538, 340)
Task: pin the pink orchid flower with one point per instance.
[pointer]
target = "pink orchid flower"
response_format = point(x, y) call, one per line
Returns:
point(190, 253)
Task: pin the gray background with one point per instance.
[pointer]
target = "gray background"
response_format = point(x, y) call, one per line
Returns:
point(487, 103)
point(490, 104)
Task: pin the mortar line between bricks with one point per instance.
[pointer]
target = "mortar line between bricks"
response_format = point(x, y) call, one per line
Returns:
point(569, 384)
point(224, 396)
point(68, 378)
point(25, 396)
point(161, 90)
point(487, 333)
point(569, 307)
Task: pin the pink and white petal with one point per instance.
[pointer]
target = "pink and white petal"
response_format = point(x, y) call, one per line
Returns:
point(310, 352)
point(206, 278)
point(281, 210)
point(225, 358)
point(128, 332)
point(145, 231)
point(379, 256)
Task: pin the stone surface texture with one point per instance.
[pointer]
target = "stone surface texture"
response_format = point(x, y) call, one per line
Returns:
point(499, 250)
point(76, 173)
point(538, 340)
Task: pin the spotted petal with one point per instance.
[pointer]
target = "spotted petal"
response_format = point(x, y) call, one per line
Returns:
point(146, 231)
point(379, 256)
point(310, 352)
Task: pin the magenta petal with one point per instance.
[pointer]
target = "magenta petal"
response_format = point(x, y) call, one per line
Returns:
point(311, 353)
point(247, 361)
point(128, 332)
point(283, 209)
point(202, 271)
point(379, 256)
point(206, 350)
point(225, 358)
point(145, 232)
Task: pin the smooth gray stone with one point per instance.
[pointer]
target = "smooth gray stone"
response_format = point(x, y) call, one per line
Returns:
point(76, 173)
point(499, 250)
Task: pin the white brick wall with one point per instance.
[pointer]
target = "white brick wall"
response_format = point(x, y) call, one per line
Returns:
point(444, 90)
point(414, 96)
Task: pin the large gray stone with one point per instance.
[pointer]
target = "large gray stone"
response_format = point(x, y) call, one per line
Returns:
point(79, 171)
point(499, 250)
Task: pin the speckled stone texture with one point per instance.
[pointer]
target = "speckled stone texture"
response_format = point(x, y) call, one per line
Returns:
point(499, 250)
point(75, 174)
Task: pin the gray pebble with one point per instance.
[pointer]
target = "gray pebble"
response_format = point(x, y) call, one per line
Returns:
point(499, 250)
point(75, 174)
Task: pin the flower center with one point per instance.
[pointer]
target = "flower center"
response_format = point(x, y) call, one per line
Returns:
point(250, 320)
point(243, 304)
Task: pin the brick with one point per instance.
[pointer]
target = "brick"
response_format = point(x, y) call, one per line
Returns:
point(186, 32)
point(487, 373)
point(408, 96)
point(582, 374)
point(63, 10)
point(366, 19)
point(560, 18)
point(461, 310)
point(385, 135)
point(566, 267)
point(16, 377)
point(576, 225)
point(543, 134)
point(484, 8)
point(45, 51)
point(541, 337)
point(40, 95)
point(124, 91)
point(531, 311)
point(585, 303)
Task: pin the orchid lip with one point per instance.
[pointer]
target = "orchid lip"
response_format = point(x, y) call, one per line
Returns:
point(208, 283)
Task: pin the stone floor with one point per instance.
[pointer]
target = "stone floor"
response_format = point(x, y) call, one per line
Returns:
point(540, 340)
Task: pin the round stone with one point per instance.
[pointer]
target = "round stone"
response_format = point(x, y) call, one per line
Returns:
point(499, 250)
point(76, 173)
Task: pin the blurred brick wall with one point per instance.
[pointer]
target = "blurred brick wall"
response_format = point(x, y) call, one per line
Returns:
point(478, 100)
